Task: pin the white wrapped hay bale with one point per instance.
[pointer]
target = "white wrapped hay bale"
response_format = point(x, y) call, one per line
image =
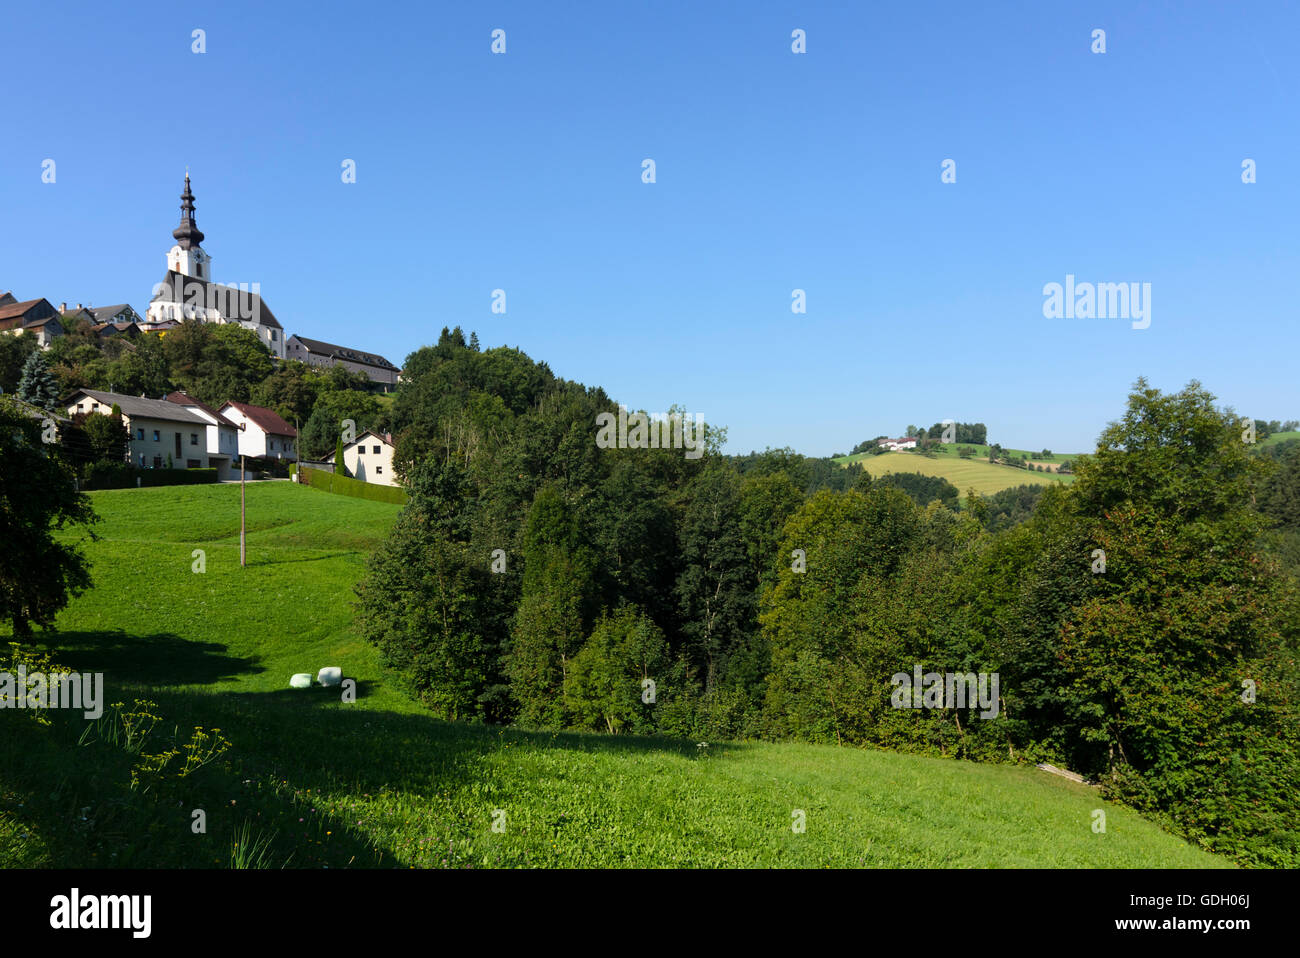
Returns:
point(330, 676)
point(301, 680)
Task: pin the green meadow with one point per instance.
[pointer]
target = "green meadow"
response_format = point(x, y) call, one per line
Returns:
point(976, 473)
point(310, 781)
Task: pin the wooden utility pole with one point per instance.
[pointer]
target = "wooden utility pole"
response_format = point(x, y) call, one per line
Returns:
point(242, 553)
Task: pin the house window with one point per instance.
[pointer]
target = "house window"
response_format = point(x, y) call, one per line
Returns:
point(139, 434)
point(155, 435)
point(361, 450)
point(157, 462)
point(376, 450)
point(194, 439)
point(379, 470)
point(79, 406)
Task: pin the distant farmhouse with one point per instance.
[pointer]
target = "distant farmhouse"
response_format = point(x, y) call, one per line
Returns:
point(894, 445)
point(187, 290)
point(35, 317)
point(313, 352)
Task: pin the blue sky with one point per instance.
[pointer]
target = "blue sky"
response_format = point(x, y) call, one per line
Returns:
point(775, 171)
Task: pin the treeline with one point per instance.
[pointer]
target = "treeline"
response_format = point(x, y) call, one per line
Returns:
point(538, 579)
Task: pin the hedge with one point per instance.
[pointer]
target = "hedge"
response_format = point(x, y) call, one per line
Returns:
point(118, 475)
point(343, 485)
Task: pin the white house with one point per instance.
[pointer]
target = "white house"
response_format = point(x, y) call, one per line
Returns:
point(161, 431)
point(369, 458)
point(261, 431)
point(894, 445)
point(222, 435)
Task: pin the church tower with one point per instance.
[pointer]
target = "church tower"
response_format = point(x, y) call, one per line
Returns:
point(187, 257)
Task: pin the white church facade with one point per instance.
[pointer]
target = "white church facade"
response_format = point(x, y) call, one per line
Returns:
point(188, 292)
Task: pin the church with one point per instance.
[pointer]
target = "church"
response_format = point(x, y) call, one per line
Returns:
point(188, 292)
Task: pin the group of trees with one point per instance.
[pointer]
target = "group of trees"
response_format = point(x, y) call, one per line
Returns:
point(538, 579)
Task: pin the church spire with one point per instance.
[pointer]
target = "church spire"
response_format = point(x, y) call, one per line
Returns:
point(187, 235)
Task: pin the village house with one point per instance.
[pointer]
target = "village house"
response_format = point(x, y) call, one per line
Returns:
point(36, 317)
point(261, 431)
point(162, 433)
point(222, 435)
point(369, 458)
point(120, 315)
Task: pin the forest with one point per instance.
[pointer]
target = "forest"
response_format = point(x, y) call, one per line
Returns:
point(1143, 622)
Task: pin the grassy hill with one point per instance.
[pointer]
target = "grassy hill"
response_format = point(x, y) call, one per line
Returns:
point(309, 781)
point(975, 473)
point(1278, 437)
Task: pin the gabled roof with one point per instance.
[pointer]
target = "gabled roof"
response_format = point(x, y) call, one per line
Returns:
point(233, 303)
point(18, 309)
point(343, 352)
point(387, 440)
point(104, 313)
point(41, 322)
point(140, 407)
point(268, 420)
point(184, 399)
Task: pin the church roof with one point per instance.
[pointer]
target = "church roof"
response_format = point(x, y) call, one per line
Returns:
point(231, 302)
point(343, 352)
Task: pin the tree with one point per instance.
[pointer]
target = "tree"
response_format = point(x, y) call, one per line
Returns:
point(547, 629)
point(14, 352)
point(605, 687)
point(38, 385)
point(1151, 658)
point(421, 601)
point(715, 589)
point(38, 573)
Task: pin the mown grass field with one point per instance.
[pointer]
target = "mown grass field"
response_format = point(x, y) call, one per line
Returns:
point(966, 474)
point(310, 781)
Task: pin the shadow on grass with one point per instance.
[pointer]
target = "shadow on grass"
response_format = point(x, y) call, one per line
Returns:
point(294, 752)
point(161, 658)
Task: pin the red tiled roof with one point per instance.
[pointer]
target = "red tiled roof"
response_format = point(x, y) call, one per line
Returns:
point(267, 419)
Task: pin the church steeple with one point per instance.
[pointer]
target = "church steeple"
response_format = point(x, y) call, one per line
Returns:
point(187, 235)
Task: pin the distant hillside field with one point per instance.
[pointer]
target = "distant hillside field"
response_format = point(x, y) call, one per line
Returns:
point(314, 782)
point(966, 474)
point(1278, 437)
